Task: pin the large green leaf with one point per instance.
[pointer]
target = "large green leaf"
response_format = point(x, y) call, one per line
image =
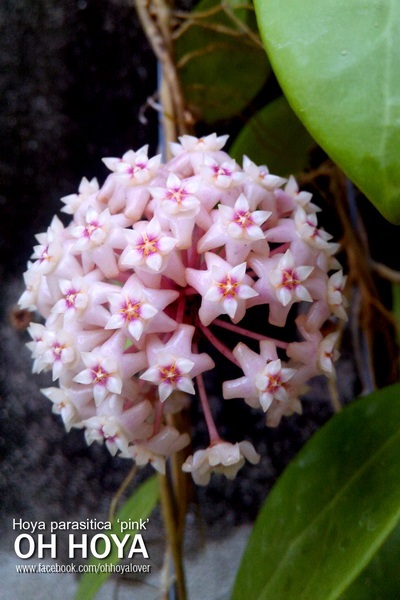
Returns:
point(380, 580)
point(220, 68)
point(338, 64)
point(139, 506)
point(275, 137)
point(331, 509)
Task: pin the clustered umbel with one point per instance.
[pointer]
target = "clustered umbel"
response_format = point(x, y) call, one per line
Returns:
point(159, 259)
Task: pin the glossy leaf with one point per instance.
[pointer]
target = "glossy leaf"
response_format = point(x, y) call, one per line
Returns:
point(139, 506)
point(331, 509)
point(220, 67)
point(275, 137)
point(380, 580)
point(338, 65)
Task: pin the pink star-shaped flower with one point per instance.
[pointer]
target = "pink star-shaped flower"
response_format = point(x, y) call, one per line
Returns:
point(173, 365)
point(109, 369)
point(190, 143)
point(288, 278)
point(224, 289)
point(102, 373)
point(178, 197)
point(235, 228)
point(155, 449)
point(264, 378)
point(49, 250)
point(74, 201)
point(148, 247)
point(176, 205)
point(222, 175)
point(139, 309)
point(134, 168)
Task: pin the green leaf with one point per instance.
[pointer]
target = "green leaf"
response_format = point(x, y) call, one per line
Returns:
point(275, 137)
point(380, 580)
point(220, 68)
point(139, 506)
point(338, 65)
point(331, 509)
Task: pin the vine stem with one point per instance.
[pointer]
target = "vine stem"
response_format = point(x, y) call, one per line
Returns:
point(155, 17)
point(122, 488)
point(172, 530)
point(385, 271)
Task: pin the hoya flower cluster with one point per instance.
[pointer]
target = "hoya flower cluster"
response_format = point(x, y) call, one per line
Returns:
point(158, 259)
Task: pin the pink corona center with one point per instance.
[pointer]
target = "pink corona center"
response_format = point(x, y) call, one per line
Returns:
point(177, 195)
point(70, 298)
point(107, 436)
point(221, 171)
point(131, 309)
point(132, 170)
point(90, 229)
point(243, 219)
point(148, 245)
point(228, 287)
point(289, 279)
point(100, 376)
point(274, 383)
point(170, 373)
point(57, 349)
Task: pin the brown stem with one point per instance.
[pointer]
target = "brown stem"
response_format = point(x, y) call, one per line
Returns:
point(171, 527)
point(120, 492)
point(155, 19)
point(385, 272)
point(371, 322)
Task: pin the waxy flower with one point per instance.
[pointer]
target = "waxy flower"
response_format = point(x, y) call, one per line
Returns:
point(49, 250)
point(223, 175)
point(224, 289)
point(134, 168)
point(137, 309)
point(336, 300)
point(154, 266)
point(74, 201)
point(33, 284)
point(236, 228)
point(178, 197)
point(189, 143)
point(173, 365)
point(288, 279)
point(261, 175)
point(221, 457)
point(63, 405)
point(102, 373)
point(148, 247)
point(264, 379)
